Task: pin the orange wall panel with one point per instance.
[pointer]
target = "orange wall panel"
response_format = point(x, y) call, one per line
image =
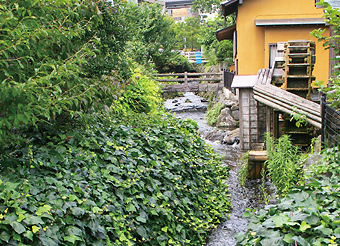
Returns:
point(253, 41)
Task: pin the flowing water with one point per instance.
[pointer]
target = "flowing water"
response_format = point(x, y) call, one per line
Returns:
point(250, 196)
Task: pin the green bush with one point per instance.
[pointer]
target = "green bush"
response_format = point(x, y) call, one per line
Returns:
point(283, 165)
point(42, 50)
point(213, 113)
point(156, 183)
point(329, 164)
point(141, 94)
point(308, 215)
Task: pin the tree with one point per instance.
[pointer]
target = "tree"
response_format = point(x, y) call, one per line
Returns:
point(44, 47)
point(188, 33)
point(153, 39)
point(206, 6)
point(112, 33)
point(332, 18)
point(216, 51)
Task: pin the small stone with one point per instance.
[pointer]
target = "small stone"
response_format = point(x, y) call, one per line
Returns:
point(234, 107)
point(177, 104)
point(175, 101)
point(229, 103)
point(232, 137)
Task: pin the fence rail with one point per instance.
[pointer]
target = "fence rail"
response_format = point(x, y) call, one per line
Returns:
point(186, 81)
point(330, 134)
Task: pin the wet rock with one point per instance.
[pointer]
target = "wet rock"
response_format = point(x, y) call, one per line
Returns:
point(214, 135)
point(204, 99)
point(234, 107)
point(177, 104)
point(175, 101)
point(236, 114)
point(229, 95)
point(232, 137)
point(225, 119)
point(314, 159)
point(229, 103)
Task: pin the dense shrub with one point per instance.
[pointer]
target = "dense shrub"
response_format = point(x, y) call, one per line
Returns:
point(308, 215)
point(156, 183)
point(42, 50)
point(283, 166)
point(212, 114)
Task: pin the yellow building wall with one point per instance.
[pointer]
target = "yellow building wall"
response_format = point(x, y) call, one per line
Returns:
point(253, 41)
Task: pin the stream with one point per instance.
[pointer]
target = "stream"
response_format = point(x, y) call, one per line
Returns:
point(250, 196)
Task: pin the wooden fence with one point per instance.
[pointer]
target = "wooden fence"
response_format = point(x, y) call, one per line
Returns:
point(186, 82)
point(330, 124)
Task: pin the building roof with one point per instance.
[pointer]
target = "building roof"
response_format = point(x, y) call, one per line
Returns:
point(289, 22)
point(177, 3)
point(228, 7)
point(225, 33)
point(244, 81)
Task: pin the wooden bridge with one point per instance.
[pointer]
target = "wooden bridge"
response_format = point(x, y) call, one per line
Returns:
point(285, 101)
point(191, 82)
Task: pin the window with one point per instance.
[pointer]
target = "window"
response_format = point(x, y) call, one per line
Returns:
point(272, 54)
point(317, 6)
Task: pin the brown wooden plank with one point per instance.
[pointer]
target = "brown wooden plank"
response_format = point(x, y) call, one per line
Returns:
point(189, 74)
point(191, 87)
point(285, 96)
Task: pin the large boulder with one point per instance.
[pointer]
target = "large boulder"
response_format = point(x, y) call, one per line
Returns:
point(215, 135)
point(236, 114)
point(226, 120)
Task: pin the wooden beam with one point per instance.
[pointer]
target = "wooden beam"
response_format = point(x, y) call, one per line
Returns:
point(287, 97)
point(285, 110)
point(189, 79)
point(192, 87)
point(189, 74)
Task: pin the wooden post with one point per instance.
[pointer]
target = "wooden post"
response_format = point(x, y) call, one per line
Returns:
point(323, 104)
point(186, 81)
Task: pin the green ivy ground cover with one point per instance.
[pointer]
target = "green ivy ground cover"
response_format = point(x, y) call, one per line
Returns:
point(308, 215)
point(113, 184)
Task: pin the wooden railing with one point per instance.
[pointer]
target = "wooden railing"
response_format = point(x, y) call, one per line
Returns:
point(330, 132)
point(191, 81)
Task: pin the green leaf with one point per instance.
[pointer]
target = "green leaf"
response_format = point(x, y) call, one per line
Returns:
point(72, 238)
point(270, 241)
point(165, 229)
point(29, 235)
point(43, 209)
point(33, 220)
point(131, 208)
point(288, 238)
point(4, 236)
point(19, 228)
point(141, 219)
point(76, 211)
point(280, 219)
point(300, 240)
point(35, 229)
point(325, 231)
point(141, 231)
point(304, 226)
